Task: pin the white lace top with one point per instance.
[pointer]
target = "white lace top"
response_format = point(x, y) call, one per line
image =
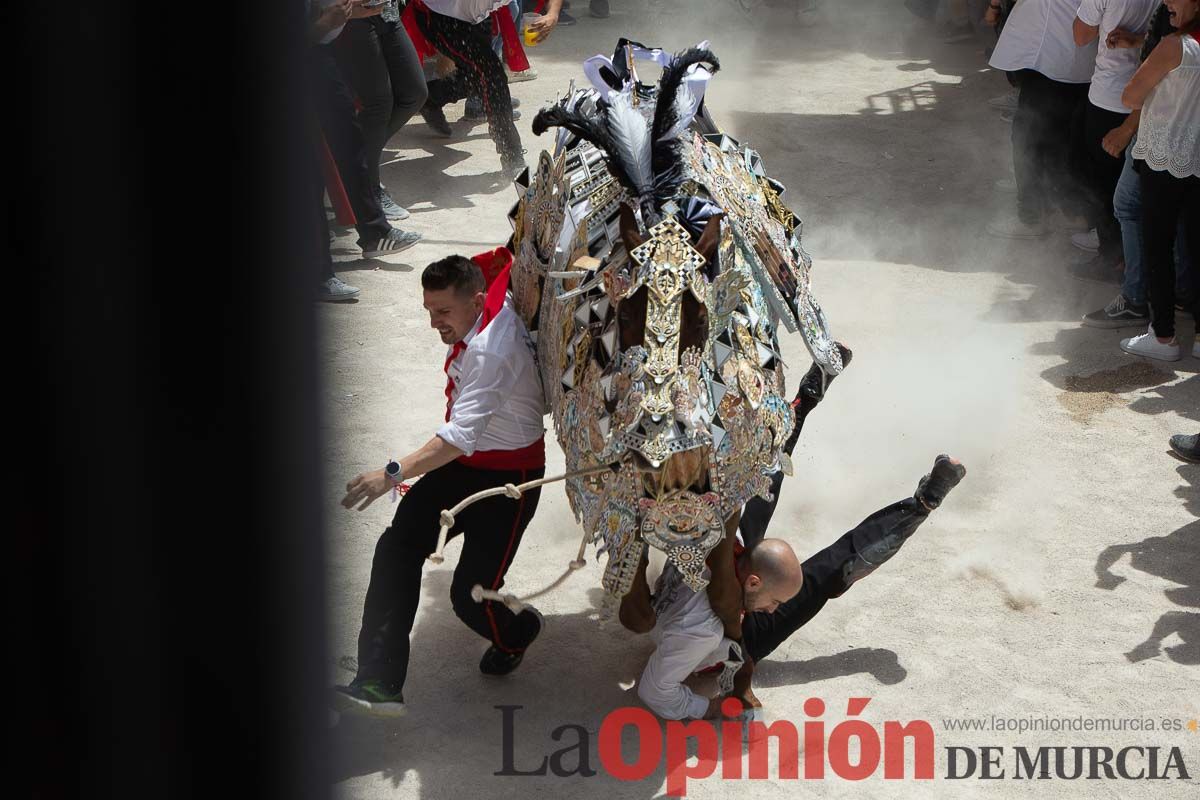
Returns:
point(1168, 135)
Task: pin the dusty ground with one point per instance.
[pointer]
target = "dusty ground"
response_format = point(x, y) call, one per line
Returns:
point(1061, 580)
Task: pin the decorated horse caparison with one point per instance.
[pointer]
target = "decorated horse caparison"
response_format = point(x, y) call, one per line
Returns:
point(655, 264)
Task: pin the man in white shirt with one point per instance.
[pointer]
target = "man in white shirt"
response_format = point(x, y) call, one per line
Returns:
point(1053, 74)
point(779, 595)
point(461, 30)
point(1104, 111)
point(492, 436)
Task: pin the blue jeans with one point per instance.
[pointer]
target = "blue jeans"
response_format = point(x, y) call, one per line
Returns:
point(1127, 208)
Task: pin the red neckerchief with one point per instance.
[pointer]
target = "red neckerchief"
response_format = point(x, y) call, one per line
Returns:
point(495, 266)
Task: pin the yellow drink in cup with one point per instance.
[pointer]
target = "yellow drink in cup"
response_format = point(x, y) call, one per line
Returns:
point(528, 35)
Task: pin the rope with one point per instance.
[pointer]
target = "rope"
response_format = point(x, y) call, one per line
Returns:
point(447, 517)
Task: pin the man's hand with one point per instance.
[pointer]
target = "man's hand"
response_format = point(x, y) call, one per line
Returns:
point(992, 17)
point(1119, 37)
point(1116, 140)
point(542, 26)
point(366, 488)
point(331, 18)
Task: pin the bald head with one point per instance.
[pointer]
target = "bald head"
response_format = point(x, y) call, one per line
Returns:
point(771, 575)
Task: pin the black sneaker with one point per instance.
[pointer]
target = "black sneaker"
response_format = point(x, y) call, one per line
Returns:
point(565, 19)
point(435, 118)
point(598, 9)
point(1098, 269)
point(496, 662)
point(944, 476)
point(374, 697)
point(1120, 313)
point(1186, 447)
point(395, 242)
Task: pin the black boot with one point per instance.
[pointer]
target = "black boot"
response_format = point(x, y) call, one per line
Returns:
point(810, 392)
point(497, 662)
point(944, 476)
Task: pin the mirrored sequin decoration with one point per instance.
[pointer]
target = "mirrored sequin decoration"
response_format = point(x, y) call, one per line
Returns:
point(690, 420)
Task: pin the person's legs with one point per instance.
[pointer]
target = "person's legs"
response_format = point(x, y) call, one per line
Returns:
point(386, 74)
point(830, 572)
point(1061, 157)
point(407, 77)
point(1027, 126)
point(1104, 171)
point(335, 109)
point(1189, 220)
point(1162, 197)
point(395, 588)
point(1127, 209)
point(494, 528)
point(478, 73)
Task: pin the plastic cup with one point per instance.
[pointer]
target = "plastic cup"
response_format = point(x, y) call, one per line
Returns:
point(530, 37)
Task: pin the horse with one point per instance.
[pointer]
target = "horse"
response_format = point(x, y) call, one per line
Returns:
point(654, 264)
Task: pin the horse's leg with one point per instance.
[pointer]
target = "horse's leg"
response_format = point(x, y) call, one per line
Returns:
point(636, 612)
point(724, 589)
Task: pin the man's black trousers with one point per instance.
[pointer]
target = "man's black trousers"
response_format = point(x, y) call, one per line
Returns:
point(830, 572)
point(1043, 158)
point(491, 531)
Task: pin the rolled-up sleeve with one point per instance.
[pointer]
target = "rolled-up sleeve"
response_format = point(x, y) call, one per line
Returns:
point(1091, 12)
point(679, 654)
point(486, 379)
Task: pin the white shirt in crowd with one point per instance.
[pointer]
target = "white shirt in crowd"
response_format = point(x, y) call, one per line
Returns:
point(497, 398)
point(1115, 65)
point(472, 11)
point(1038, 35)
point(1169, 131)
point(689, 637)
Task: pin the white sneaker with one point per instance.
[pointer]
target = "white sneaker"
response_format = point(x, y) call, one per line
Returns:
point(522, 76)
point(1150, 347)
point(1008, 185)
point(336, 289)
point(1006, 101)
point(1014, 228)
point(1087, 242)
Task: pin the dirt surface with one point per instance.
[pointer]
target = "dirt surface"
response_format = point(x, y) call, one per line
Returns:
point(1061, 580)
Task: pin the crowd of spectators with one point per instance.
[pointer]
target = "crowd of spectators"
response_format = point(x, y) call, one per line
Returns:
point(377, 63)
point(1105, 114)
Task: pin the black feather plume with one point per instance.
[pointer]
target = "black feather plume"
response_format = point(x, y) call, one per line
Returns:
point(665, 156)
point(665, 115)
point(586, 128)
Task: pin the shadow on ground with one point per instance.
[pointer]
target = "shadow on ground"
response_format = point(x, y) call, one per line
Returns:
point(1175, 558)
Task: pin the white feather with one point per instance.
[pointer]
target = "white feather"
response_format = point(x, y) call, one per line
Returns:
point(686, 105)
point(630, 134)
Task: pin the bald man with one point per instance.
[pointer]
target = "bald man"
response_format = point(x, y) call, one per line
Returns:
point(779, 596)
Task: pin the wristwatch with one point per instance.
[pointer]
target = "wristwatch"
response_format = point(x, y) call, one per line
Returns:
point(394, 471)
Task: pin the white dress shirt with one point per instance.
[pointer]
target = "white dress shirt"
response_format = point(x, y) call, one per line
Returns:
point(473, 11)
point(1114, 65)
point(497, 398)
point(690, 637)
point(1038, 35)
